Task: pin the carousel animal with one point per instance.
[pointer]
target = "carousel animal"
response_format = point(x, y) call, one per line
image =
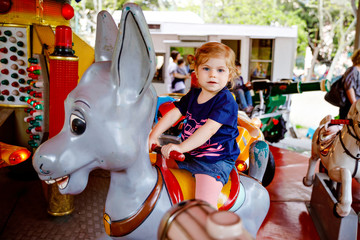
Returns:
point(108, 118)
point(340, 154)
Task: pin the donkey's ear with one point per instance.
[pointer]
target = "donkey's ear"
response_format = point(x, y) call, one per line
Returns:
point(133, 62)
point(106, 31)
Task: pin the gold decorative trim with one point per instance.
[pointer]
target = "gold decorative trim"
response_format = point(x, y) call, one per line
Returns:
point(14, 106)
point(61, 214)
point(14, 25)
point(64, 58)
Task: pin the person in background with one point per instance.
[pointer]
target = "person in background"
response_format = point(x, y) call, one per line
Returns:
point(351, 84)
point(178, 84)
point(175, 55)
point(242, 91)
point(191, 62)
point(210, 130)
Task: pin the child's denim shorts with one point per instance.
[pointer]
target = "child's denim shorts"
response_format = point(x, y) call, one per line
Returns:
point(219, 170)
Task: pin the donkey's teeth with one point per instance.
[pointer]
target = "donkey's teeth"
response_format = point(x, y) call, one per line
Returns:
point(62, 182)
point(50, 181)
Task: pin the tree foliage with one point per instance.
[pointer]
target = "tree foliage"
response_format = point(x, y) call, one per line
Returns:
point(327, 26)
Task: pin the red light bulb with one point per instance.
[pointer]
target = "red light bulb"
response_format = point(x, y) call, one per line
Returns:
point(5, 92)
point(5, 71)
point(275, 121)
point(63, 36)
point(3, 50)
point(5, 6)
point(33, 68)
point(67, 11)
point(13, 58)
point(15, 84)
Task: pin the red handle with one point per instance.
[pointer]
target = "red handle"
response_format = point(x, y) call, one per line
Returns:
point(340, 121)
point(173, 154)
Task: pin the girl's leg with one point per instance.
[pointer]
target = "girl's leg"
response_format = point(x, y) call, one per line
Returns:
point(207, 189)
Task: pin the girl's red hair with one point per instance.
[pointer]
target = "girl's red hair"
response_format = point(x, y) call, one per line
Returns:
point(213, 50)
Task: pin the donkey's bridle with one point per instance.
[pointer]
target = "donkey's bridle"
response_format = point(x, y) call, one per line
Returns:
point(354, 135)
point(125, 226)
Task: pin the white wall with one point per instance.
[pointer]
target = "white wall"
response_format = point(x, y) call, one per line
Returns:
point(284, 58)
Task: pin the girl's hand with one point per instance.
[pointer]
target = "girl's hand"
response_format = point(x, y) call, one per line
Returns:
point(165, 150)
point(153, 140)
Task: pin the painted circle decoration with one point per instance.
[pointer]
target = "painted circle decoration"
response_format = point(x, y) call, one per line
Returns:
point(67, 11)
point(5, 6)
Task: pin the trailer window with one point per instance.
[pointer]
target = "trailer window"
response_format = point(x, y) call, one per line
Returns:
point(261, 59)
point(160, 59)
point(235, 45)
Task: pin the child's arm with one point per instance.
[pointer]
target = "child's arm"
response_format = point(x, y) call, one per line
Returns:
point(179, 75)
point(200, 136)
point(164, 124)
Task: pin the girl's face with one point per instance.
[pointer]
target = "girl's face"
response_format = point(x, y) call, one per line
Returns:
point(213, 75)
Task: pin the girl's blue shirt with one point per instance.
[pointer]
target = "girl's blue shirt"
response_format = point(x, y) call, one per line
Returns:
point(222, 108)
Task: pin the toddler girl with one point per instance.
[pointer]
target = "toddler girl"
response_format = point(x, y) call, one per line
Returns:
point(209, 134)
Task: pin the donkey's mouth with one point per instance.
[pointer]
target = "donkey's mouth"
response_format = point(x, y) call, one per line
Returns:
point(62, 182)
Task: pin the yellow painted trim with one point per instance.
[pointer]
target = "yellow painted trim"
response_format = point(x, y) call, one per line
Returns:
point(45, 35)
point(186, 182)
point(85, 52)
point(28, 40)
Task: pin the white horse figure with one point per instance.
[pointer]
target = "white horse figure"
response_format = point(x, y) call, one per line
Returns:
point(108, 117)
point(340, 155)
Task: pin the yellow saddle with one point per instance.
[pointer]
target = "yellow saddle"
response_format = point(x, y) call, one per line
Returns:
point(180, 185)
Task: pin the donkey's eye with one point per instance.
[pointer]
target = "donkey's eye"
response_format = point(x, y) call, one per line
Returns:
point(78, 124)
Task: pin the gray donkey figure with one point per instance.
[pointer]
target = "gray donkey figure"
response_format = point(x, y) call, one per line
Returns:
point(108, 117)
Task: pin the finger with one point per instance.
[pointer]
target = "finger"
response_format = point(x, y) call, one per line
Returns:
point(164, 151)
point(168, 149)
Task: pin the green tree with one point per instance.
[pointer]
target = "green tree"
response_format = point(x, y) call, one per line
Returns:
point(330, 27)
point(254, 12)
point(326, 26)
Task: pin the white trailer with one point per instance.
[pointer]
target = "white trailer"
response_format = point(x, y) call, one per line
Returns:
point(266, 52)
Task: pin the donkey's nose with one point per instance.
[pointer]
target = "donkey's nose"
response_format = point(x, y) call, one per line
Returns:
point(43, 164)
point(43, 171)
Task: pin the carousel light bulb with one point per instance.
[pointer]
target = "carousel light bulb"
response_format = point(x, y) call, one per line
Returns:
point(39, 107)
point(19, 156)
point(67, 11)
